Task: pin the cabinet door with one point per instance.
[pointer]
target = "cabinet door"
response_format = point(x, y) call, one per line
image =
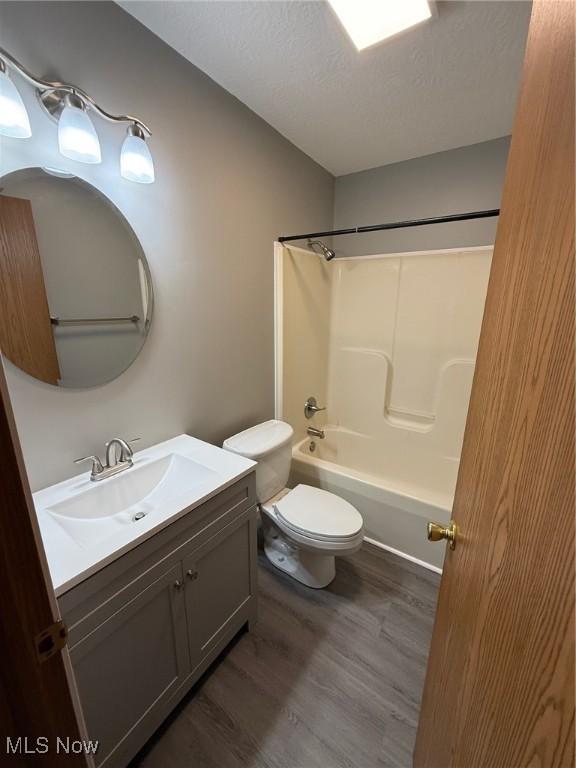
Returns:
point(130, 665)
point(220, 581)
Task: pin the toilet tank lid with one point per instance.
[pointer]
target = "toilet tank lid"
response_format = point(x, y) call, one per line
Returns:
point(261, 439)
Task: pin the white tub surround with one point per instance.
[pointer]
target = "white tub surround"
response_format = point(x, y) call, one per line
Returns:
point(388, 343)
point(85, 525)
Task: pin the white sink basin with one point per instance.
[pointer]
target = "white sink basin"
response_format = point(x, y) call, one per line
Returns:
point(85, 525)
point(126, 499)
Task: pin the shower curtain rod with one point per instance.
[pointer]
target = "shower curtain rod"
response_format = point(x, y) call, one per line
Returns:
point(395, 225)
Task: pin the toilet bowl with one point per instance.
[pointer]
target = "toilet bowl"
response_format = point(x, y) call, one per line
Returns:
point(304, 528)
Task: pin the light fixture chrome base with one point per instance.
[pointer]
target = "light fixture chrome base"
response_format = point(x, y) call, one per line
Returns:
point(54, 101)
point(136, 130)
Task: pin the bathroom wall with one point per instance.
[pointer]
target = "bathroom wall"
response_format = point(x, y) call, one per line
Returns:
point(304, 287)
point(456, 181)
point(227, 185)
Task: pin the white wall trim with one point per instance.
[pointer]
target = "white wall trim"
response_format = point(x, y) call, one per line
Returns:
point(397, 552)
point(437, 251)
point(278, 330)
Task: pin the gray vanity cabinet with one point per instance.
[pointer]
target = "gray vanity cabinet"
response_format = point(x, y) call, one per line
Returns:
point(143, 629)
point(133, 662)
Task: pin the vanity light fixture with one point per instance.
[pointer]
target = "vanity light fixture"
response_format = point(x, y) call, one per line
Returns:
point(371, 21)
point(14, 120)
point(70, 106)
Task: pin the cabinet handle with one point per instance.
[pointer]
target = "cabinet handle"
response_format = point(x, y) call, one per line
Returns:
point(192, 575)
point(178, 584)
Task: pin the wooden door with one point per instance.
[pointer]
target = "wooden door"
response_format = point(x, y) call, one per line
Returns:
point(36, 699)
point(499, 690)
point(26, 336)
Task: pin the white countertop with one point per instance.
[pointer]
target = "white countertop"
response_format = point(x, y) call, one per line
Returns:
point(72, 558)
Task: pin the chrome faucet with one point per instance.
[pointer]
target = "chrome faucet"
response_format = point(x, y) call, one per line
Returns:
point(114, 463)
point(126, 452)
point(313, 432)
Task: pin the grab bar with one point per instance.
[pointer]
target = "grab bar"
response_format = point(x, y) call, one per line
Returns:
point(93, 320)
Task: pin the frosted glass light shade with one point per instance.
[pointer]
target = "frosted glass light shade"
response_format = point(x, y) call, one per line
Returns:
point(77, 137)
point(14, 120)
point(136, 162)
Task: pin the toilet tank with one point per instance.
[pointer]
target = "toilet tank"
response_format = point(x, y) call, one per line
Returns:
point(270, 444)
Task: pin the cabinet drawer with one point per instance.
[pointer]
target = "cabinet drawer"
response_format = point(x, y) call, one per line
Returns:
point(86, 606)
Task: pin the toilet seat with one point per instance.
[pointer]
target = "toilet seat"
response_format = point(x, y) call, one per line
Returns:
point(318, 515)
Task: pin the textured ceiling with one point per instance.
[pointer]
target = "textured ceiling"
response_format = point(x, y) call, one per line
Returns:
point(447, 83)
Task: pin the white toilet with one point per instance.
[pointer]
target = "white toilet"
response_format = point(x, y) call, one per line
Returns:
point(304, 528)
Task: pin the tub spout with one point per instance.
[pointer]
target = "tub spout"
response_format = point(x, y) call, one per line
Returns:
point(313, 432)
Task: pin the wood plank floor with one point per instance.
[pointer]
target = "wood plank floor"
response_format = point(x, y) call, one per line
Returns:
point(327, 679)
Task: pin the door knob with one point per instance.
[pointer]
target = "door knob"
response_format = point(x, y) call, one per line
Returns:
point(437, 532)
point(192, 575)
point(178, 584)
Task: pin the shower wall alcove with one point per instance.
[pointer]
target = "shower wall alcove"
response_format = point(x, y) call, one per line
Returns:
point(388, 344)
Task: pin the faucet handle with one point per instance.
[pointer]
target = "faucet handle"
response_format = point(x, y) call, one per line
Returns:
point(96, 463)
point(311, 407)
point(129, 443)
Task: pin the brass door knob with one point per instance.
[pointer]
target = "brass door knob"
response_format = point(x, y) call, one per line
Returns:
point(437, 532)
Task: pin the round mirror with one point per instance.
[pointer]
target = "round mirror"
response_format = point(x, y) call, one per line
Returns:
point(75, 288)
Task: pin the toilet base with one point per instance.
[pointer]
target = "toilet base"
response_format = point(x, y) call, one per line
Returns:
point(310, 568)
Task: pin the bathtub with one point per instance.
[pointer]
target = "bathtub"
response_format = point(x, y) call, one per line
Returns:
point(396, 491)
